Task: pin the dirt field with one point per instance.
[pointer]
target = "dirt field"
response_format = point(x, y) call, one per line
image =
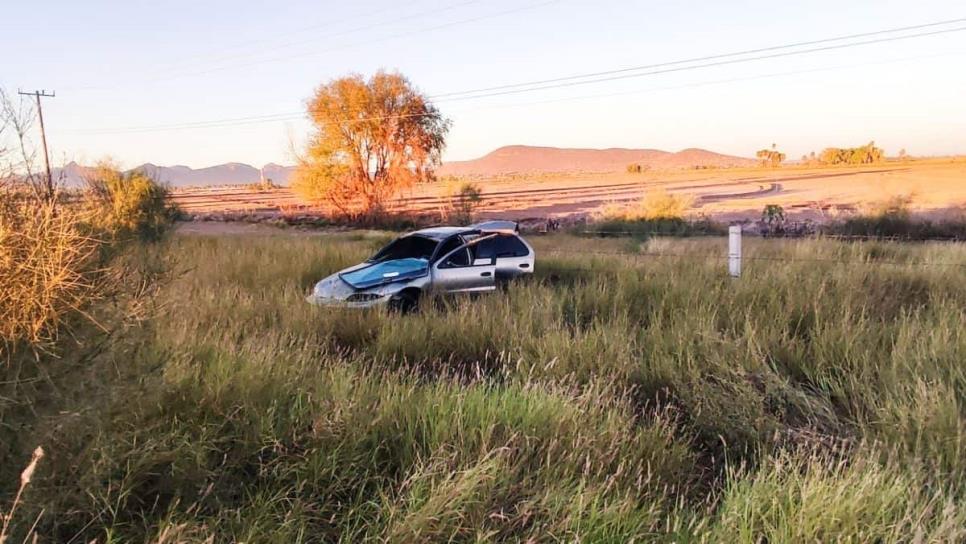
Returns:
point(938, 188)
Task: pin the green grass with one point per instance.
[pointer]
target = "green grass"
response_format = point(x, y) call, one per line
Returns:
point(821, 397)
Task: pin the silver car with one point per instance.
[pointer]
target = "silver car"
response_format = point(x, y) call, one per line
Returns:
point(439, 260)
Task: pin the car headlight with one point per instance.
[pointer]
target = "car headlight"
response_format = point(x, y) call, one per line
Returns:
point(364, 297)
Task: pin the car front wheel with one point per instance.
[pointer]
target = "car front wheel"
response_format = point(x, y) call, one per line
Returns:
point(404, 303)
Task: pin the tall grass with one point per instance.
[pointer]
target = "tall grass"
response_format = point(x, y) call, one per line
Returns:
point(615, 397)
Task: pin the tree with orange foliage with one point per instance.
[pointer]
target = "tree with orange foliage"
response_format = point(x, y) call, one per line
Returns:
point(373, 138)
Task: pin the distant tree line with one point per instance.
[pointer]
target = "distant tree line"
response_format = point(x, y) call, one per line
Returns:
point(866, 154)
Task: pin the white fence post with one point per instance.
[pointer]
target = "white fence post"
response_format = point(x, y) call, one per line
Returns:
point(734, 251)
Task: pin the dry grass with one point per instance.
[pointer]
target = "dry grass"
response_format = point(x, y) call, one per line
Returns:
point(657, 205)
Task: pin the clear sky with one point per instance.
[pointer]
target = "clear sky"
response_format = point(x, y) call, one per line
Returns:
point(141, 65)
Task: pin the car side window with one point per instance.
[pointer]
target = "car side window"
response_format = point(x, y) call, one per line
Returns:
point(502, 246)
point(458, 259)
point(449, 245)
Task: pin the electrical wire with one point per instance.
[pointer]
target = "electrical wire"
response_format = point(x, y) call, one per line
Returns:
point(296, 115)
point(172, 67)
point(705, 58)
point(368, 42)
point(706, 257)
point(349, 31)
point(706, 65)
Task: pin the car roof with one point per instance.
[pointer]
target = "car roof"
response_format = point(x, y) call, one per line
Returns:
point(442, 232)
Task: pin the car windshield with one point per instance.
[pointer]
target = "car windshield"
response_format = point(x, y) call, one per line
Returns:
point(407, 247)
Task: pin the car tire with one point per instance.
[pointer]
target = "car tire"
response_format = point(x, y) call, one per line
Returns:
point(404, 303)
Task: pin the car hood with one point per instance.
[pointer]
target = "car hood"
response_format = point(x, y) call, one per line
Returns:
point(371, 275)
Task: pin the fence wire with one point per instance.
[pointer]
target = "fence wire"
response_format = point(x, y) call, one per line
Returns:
point(725, 257)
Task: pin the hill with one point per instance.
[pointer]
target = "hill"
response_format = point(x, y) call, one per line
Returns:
point(505, 160)
point(531, 159)
point(232, 173)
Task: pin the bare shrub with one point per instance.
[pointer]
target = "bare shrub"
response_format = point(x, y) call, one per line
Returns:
point(47, 269)
point(18, 152)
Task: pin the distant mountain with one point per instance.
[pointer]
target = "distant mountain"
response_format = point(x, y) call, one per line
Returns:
point(505, 160)
point(232, 173)
point(531, 159)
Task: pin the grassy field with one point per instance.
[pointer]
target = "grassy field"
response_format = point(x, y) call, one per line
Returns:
point(616, 397)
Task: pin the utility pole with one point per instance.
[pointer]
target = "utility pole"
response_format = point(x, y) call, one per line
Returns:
point(43, 136)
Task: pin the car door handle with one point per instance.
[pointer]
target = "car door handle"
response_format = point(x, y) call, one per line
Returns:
point(525, 265)
point(486, 274)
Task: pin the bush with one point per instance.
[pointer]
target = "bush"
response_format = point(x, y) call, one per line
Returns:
point(128, 203)
point(866, 154)
point(657, 204)
point(658, 212)
point(47, 269)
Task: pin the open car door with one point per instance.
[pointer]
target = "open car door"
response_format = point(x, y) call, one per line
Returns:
point(460, 271)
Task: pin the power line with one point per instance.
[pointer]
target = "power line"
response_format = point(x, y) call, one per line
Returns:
point(415, 15)
point(296, 115)
point(379, 40)
point(292, 116)
point(708, 257)
point(706, 65)
point(705, 58)
point(718, 81)
point(173, 66)
point(328, 24)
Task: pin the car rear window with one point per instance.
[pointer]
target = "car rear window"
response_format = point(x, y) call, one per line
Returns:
point(501, 246)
